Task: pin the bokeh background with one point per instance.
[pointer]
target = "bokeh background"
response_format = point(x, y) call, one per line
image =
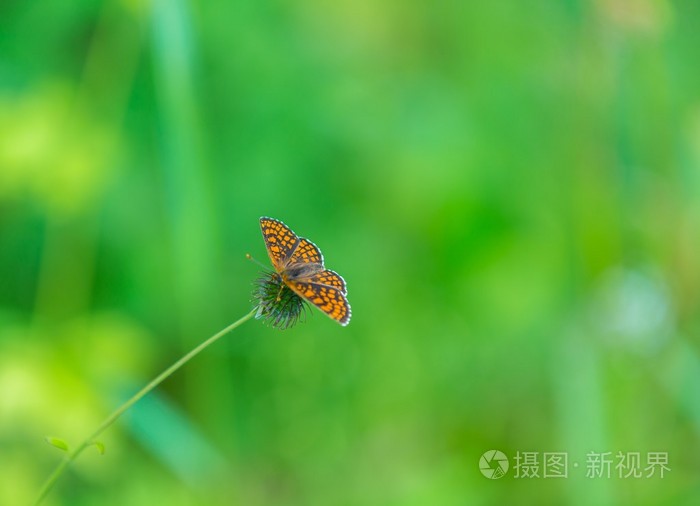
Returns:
point(511, 190)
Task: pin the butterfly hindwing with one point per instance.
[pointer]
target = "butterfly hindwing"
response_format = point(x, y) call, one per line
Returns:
point(328, 299)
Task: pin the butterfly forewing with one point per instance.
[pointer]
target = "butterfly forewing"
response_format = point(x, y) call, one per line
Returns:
point(306, 252)
point(280, 241)
point(328, 278)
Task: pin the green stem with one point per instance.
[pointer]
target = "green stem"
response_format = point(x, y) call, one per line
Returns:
point(90, 440)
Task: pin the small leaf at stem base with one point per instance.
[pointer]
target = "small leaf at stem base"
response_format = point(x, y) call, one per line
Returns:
point(57, 442)
point(100, 447)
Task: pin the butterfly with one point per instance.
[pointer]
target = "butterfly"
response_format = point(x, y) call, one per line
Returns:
point(299, 263)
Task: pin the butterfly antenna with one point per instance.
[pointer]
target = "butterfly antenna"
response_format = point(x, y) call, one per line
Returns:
point(250, 257)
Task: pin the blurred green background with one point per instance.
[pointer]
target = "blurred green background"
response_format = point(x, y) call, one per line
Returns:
point(511, 190)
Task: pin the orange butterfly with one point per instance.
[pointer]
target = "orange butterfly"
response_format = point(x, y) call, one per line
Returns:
point(300, 265)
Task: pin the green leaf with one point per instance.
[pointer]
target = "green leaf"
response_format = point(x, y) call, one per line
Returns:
point(100, 446)
point(57, 442)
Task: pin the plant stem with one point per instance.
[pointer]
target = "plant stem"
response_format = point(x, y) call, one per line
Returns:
point(90, 440)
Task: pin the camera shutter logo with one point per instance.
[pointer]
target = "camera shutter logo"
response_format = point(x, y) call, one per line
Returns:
point(493, 464)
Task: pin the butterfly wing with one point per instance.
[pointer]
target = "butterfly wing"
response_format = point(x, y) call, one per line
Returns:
point(280, 241)
point(329, 278)
point(327, 298)
point(306, 252)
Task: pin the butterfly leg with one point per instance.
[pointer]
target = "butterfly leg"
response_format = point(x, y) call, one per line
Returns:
point(279, 294)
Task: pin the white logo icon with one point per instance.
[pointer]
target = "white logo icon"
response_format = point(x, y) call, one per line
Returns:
point(493, 464)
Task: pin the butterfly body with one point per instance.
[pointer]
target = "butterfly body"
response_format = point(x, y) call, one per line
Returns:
point(298, 271)
point(299, 264)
